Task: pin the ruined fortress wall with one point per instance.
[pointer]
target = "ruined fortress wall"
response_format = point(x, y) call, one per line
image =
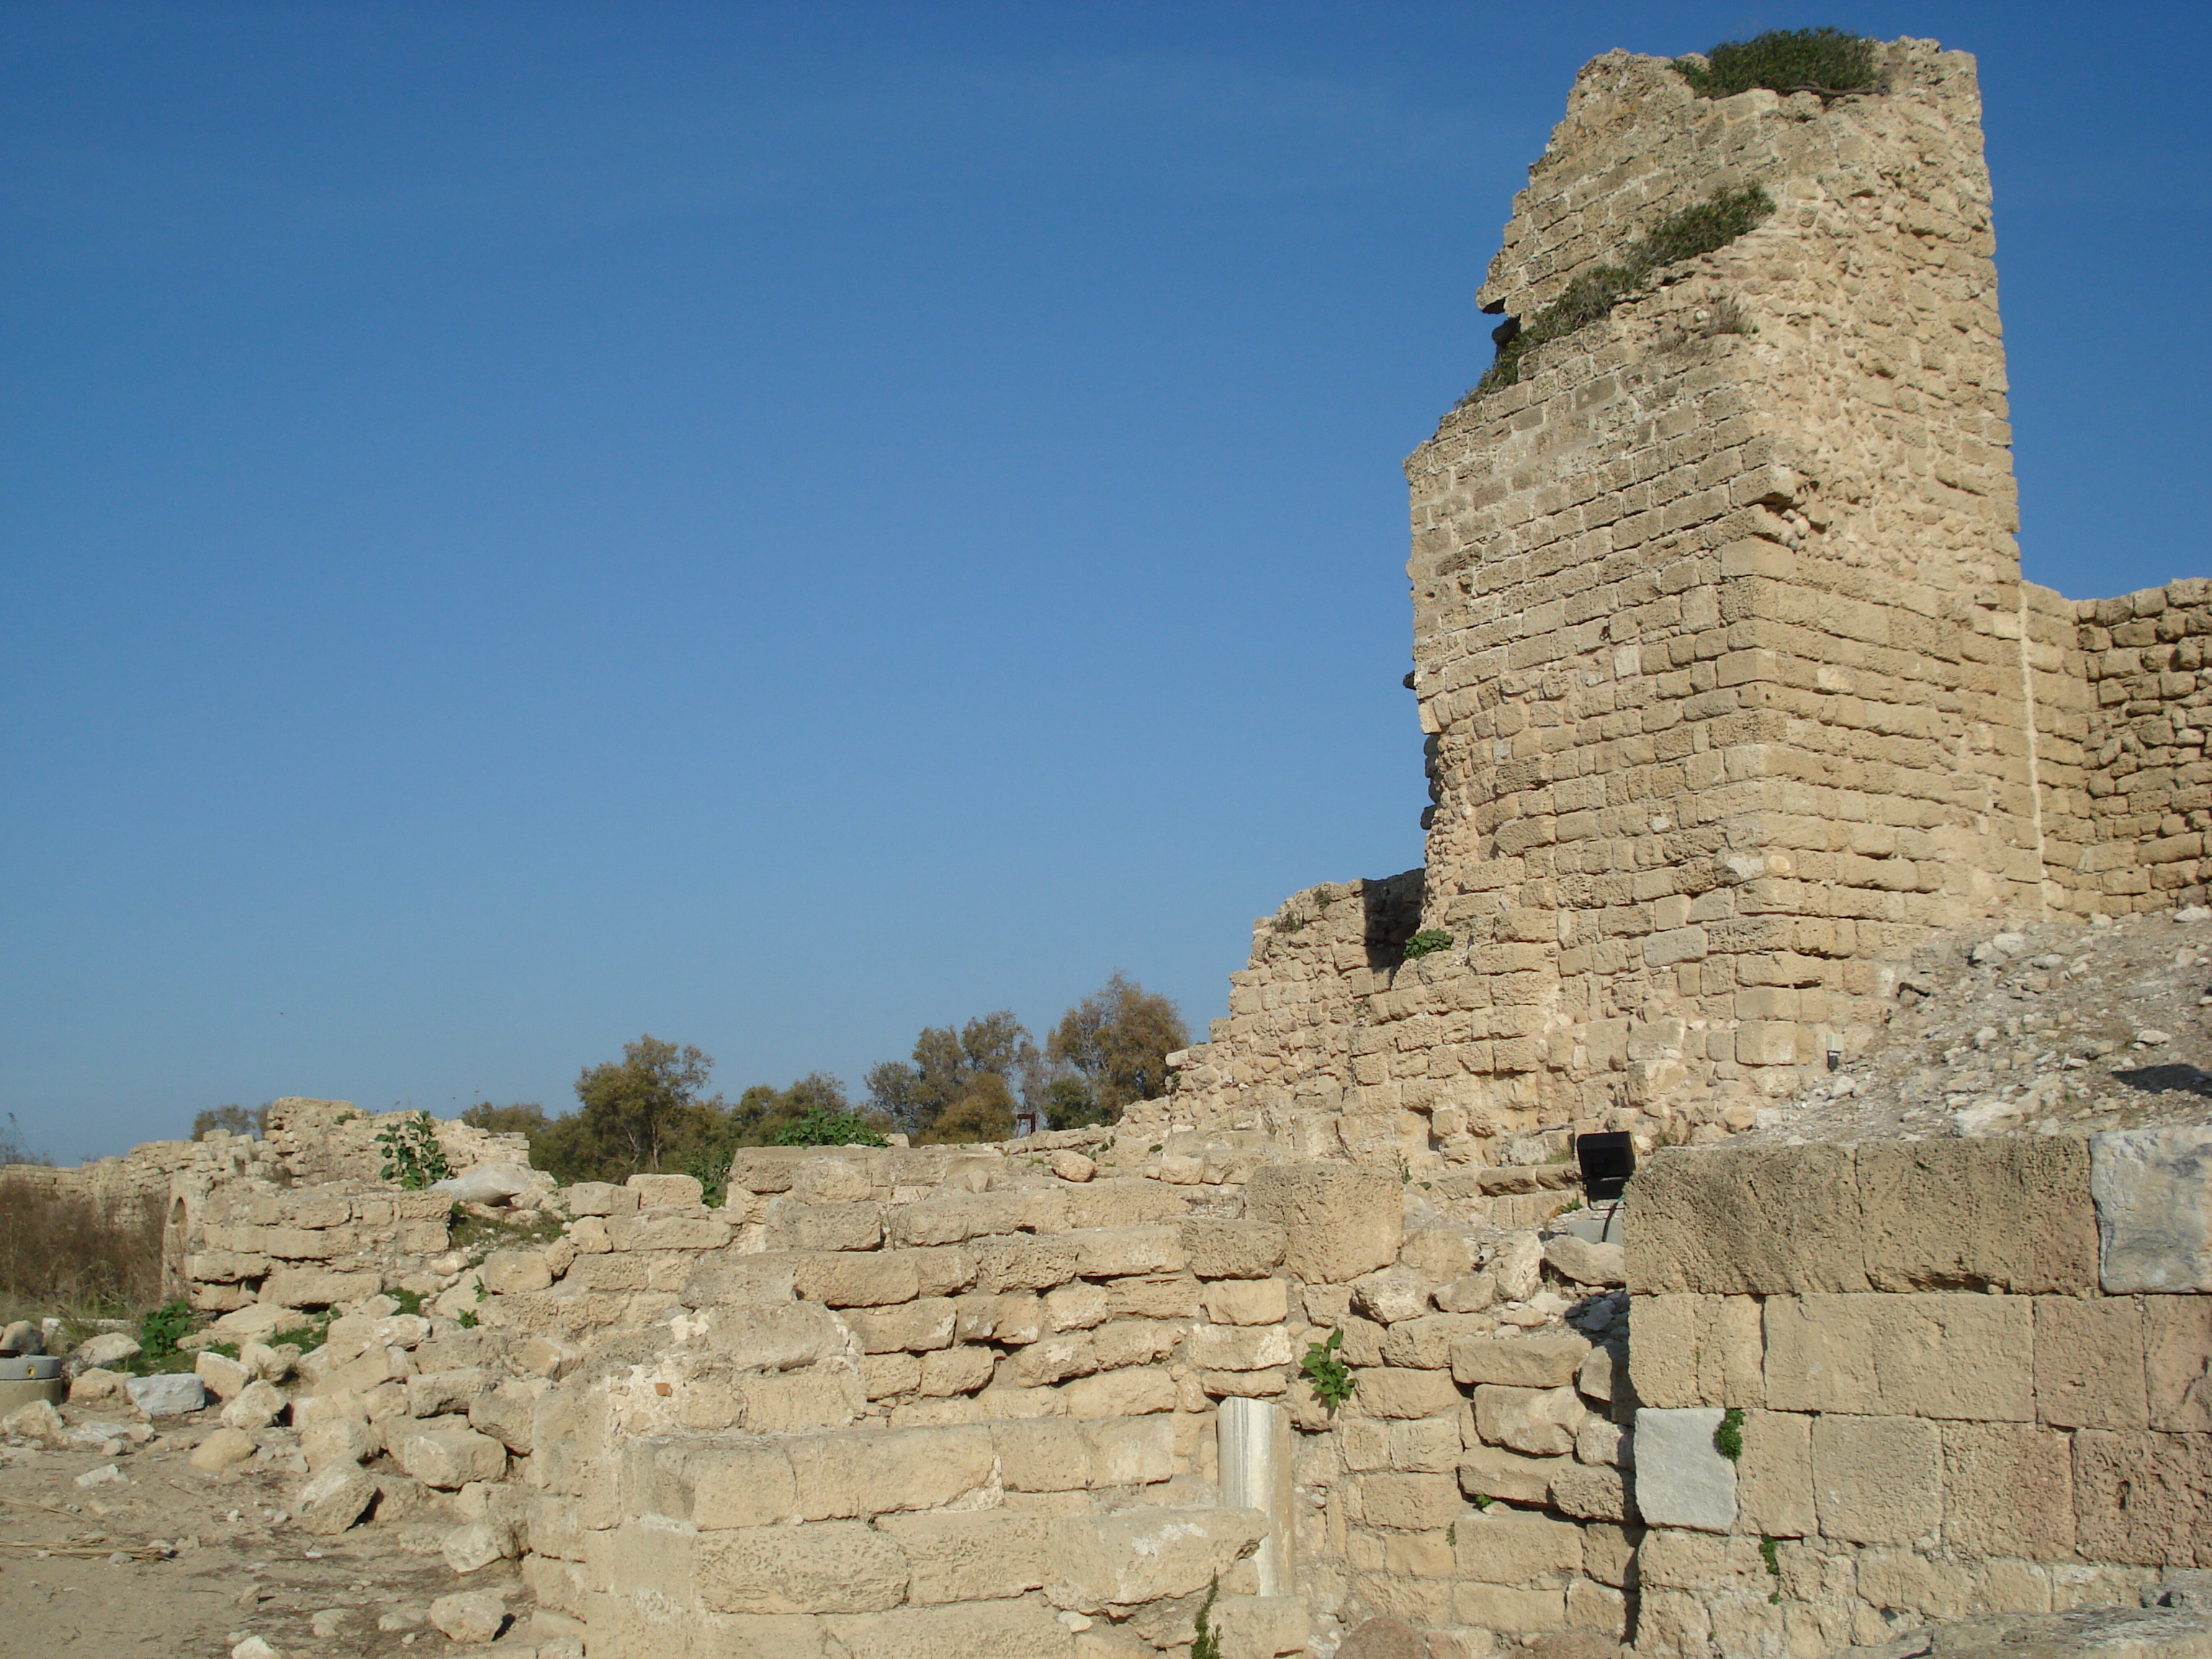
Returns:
point(1968, 1376)
point(1732, 694)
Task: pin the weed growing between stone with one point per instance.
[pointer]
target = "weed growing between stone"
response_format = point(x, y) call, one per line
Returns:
point(1208, 1644)
point(412, 1157)
point(1700, 228)
point(1826, 61)
point(1332, 1379)
point(1427, 942)
point(1728, 1438)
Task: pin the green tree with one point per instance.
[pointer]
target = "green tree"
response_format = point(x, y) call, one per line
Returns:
point(960, 1083)
point(236, 1119)
point(523, 1118)
point(636, 1110)
point(1113, 1047)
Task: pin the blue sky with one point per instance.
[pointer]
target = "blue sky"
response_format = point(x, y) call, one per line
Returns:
point(527, 523)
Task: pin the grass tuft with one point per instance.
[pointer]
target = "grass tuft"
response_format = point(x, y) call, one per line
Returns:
point(1827, 61)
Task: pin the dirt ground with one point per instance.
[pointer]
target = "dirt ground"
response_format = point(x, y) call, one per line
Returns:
point(161, 1559)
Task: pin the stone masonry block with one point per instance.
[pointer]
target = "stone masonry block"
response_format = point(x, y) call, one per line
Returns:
point(2011, 1214)
point(874, 1472)
point(2007, 1491)
point(1876, 1480)
point(1942, 1355)
point(1404, 1394)
point(1509, 1611)
point(2153, 1195)
point(1763, 1221)
point(1338, 1221)
point(831, 1567)
point(1501, 1547)
point(1492, 1472)
point(2089, 1371)
point(2177, 1362)
point(1136, 1556)
point(1233, 1249)
point(1520, 1361)
point(1687, 1350)
point(1113, 1252)
point(1774, 1477)
point(970, 1557)
point(982, 1630)
point(1681, 1479)
point(2140, 1497)
point(1410, 1502)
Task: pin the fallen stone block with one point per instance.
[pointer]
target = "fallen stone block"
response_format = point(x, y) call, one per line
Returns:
point(1587, 1263)
point(106, 1351)
point(39, 1422)
point(333, 1500)
point(449, 1459)
point(169, 1394)
point(258, 1405)
point(470, 1616)
point(346, 1440)
point(223, 1450)
point(476, 1545)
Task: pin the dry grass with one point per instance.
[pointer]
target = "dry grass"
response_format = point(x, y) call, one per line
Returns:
point(67, 1254)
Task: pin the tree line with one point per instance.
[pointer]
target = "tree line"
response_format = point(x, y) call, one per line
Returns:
point(650, 1111)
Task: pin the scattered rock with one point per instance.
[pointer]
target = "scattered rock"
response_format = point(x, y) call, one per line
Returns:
point(1391, 1296)
point(469, 1616)
point(107, 1474)
point(168, 1394)
point(224, 1450)
point(109, 1350)
point(257, 1321)
point(1587, 1263)
point(490, 1183)
point(333, 1500)
point(22, 1338)
point(257, 1405)
point(478, 1544)
point(224, 1377)
point(1072, 1166)
point(1469, 1294)
point(95, 1384)
point(2151, 1037)
point(254, 1648)
point(340, 1440)
point(1518, 1267)
point(39, 1422)
point(331, 1621)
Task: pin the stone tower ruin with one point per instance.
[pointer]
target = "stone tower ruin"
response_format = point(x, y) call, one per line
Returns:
point(1734, 696)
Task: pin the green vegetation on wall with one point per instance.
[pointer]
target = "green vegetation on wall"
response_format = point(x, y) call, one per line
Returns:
point(1826, 61)
point(1697, 229)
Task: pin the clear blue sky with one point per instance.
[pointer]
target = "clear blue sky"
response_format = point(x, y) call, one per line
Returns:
point(771, 525)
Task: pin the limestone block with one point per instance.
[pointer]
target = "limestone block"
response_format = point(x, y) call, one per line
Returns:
point(1954, 1355)
point(1412, 1502)
point(1246, 1301)
point(915, 1327)
point(1397, 1293)
point(1604, 1372)
point(1013, 1319)
point(1875, 1480)
point(511, 1272)
point(449, 1459)
point(1762, 1221)
point(168, 1394)
point(1023, 1263)
point(714, 1486)
point(2089, 1363)
point(1154, 1296)
point(259, 1405)
point(1700, 1562)
point(821, 1397)
point(1130, 1451)
point(506, 1412)
point(1470, 1293)
point(1774, 1476)
point(1145, 1555)
point(970, 1557)
point(656, 1192)
point(1113, 1252)
point(1338, 1221)
point(984, 1630)
point(1045, 1455)
point(1520, 1361)
point(475, 1545)
point(600, 1198)
point(885, 1376)
point(775, 1338)
point(2012, 1214)
point(1587, 1263)
point(2177, 1362)
point(338, 1440)
point(953, 1217)
point(1406, 1394)
point(1260, 1626)
point(1498, 1547)
point(313, 1287)
point(831, 1566)
point(1075, 1307)
point(1539, 1422)
point(1141, 1341)
point(1233, 1249)
point(1681, 1479)
point(1509, 1611)
point(1426, 1445)
point(224, 1377)
point(2153, 1189)
point(1598, 1607)
point(1491, 1471)
point(955, 1370)
point(1128, 1202)
point(1131, 1392)
point(222, 1450)
point(2139, 1497)
point(1426, 1343)
point(648, 1231)
point(435, 1394)
point(1517, 1268)
point(1240, 1347)
point(2007, 1491)
point(721, 1281)
point(1591, 1491)
point(1900, 1581)
point(826, 1226)
point(1050, 1359)
point(1072, 1166)
point(1599, 1441)
point(333, 1498)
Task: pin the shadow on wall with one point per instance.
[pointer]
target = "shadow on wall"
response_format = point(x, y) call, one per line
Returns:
point(1394, 913)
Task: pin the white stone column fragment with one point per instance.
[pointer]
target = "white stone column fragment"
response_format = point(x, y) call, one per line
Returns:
point(1254, 1436)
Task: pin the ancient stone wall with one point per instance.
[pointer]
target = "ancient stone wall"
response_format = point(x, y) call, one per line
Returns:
point(1732, 694)
point(1967, 1377)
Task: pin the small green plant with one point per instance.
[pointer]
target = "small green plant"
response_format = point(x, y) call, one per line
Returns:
point(411, 1302)
point(161, 1328)
point(1826, 61)
point(1332, 1379)
point(1700, 228)
point(1451, 1535)
point(465, 1319)
point(412, 1158)
point(1728, 1438)
point(711, 1169)
point(1208, 1644)
point(823, 1128)
point(1769, 1550)
point(1482, 1500)
point(1427, 942)
point(1569, 1206)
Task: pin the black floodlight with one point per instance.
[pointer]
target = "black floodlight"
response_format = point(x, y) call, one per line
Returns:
point(1607, 1161)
